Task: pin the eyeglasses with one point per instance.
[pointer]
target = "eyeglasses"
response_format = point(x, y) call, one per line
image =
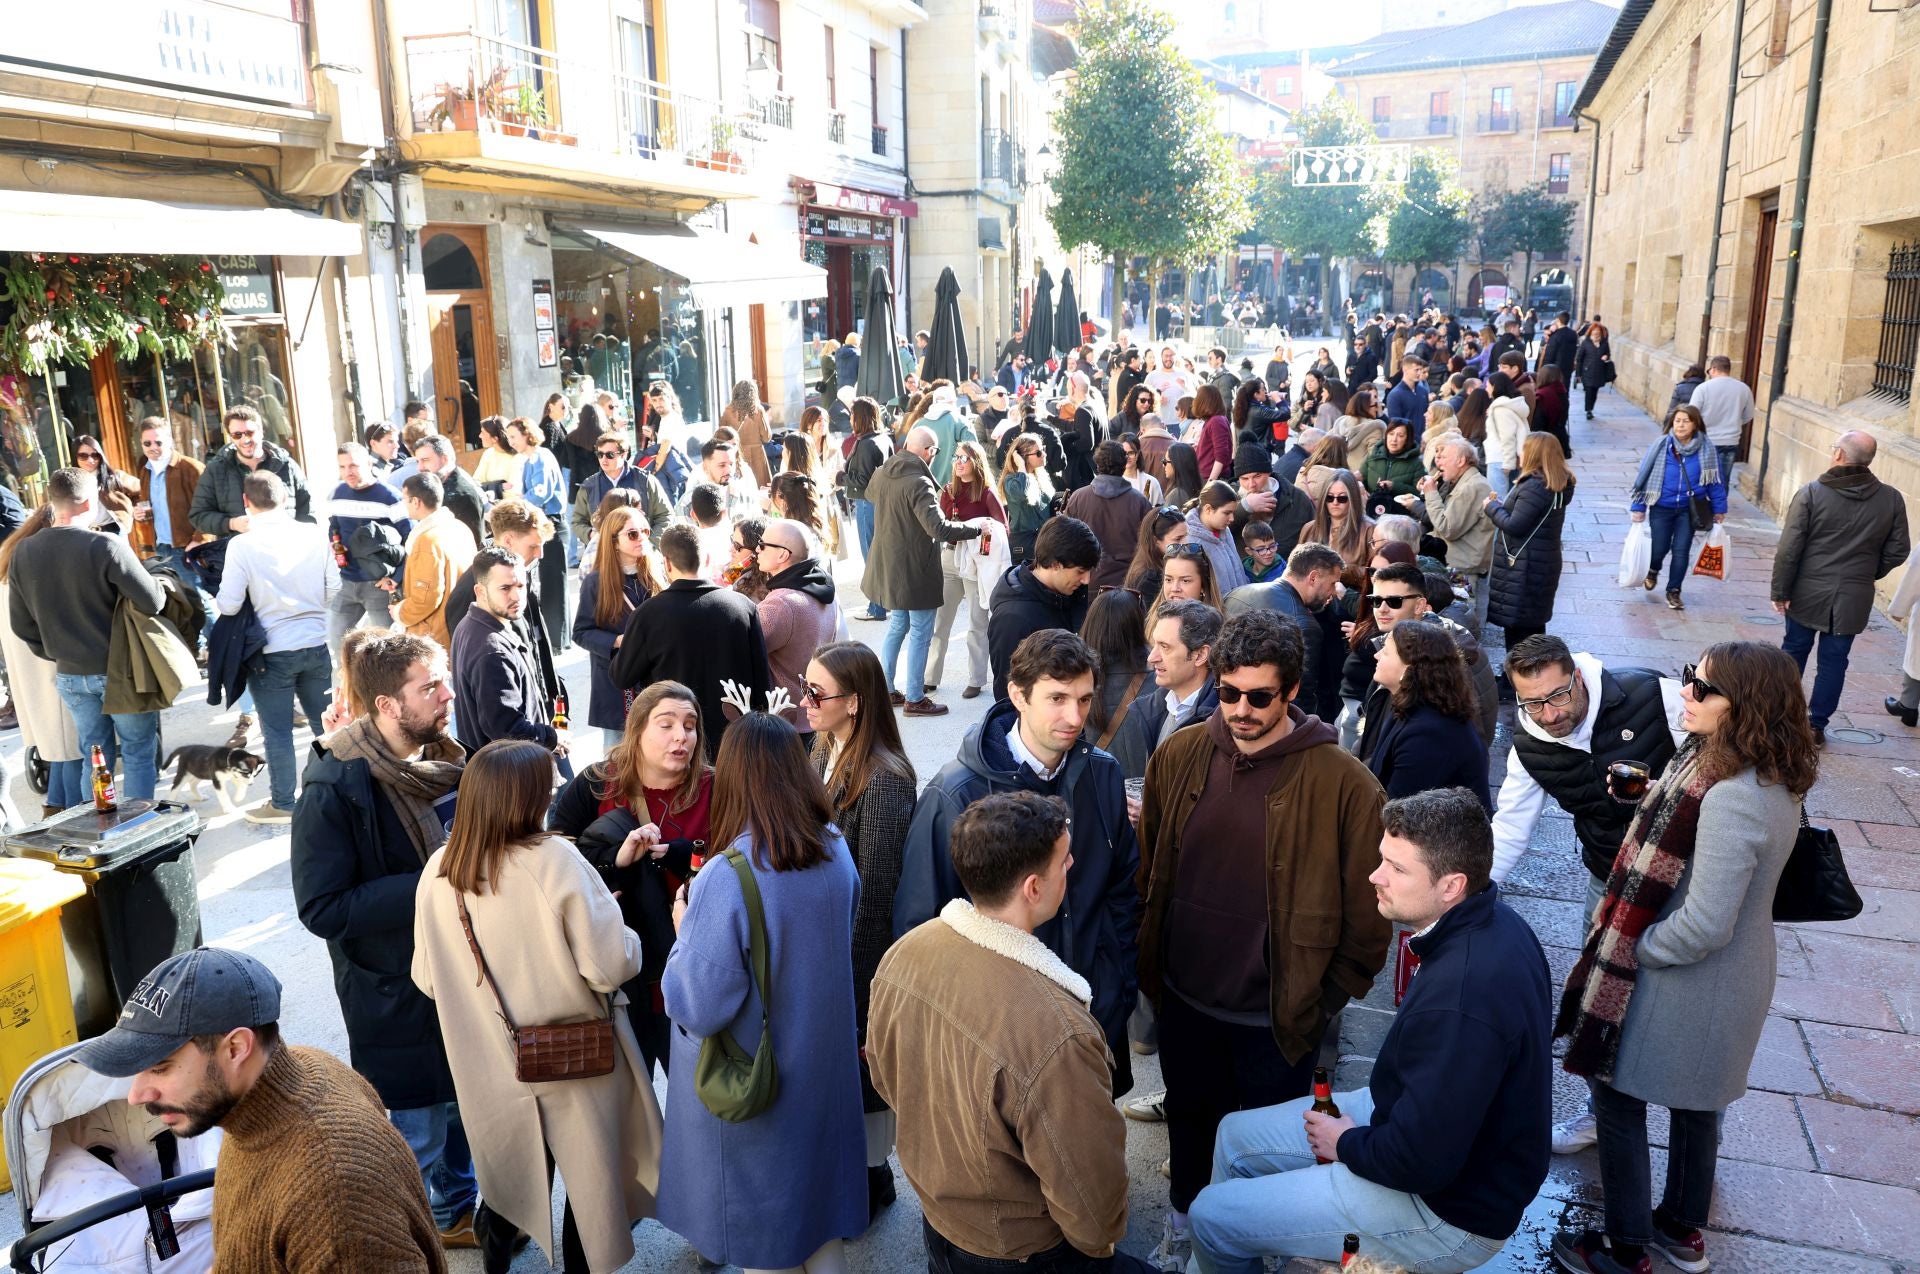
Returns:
point(814, 694)
point(1186, 550)
point(1690, 676)
point(1260, 699)
point(738, 547)
point(1392, 601)
point(242, 435)
point(1558, 699)
point(1339, 499)
point(633, 533)
point(153, 442)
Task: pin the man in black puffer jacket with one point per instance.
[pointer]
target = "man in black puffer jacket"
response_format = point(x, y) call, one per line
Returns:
point(1048, 592)
point(217, 505)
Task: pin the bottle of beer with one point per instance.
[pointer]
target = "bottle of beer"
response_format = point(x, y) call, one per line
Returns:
point(339, 549)
point(103, 793)
point(697, 860)
point(560, 709)
point(1323, 1099)
point(1349, 1250)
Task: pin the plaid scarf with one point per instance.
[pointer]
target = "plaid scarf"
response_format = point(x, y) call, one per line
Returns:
point(412, 786)
point(1657, 847)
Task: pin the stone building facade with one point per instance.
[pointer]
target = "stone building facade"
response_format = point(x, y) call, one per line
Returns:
point(1678, 276)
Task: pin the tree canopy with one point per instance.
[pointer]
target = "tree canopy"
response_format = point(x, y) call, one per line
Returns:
point(1527, 220)
point(1142, 170)
point(1431, 222)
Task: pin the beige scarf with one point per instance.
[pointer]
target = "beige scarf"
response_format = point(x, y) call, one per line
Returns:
point(412, 786)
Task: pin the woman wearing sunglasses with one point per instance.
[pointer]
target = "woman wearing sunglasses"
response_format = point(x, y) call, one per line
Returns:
point(1667, 1000)
point(870, 782)
point(113, 511)
point(1427, 739)
point(626, 572)
point(1160, 530)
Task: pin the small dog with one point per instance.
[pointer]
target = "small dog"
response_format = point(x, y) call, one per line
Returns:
point(225, 767)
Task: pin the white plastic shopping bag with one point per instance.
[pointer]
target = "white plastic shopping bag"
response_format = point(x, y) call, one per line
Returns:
point(1636, 555)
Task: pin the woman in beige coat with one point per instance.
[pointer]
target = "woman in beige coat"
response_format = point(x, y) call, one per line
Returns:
point(554, 943)
point(45, 723)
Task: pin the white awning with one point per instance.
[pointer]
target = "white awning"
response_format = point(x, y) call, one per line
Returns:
point(720, 269)
point(38, 221)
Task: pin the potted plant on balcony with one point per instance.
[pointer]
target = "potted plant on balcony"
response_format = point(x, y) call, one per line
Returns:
point(521, 108)
point(722, 155)
point(456, 111)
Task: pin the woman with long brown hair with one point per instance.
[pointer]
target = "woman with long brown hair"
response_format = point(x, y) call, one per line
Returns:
point(1328, 456)
point(497, 464)
point(968, 496)
point(639, 817)
point(798, 496)
point(870, 783)
point(1213, 446)
point(782, 1189)
point(1666, 1004)
point(1186, 575)
point(1160, 530)
point(626, 573)
point(1341, 523)
point(1427, 739)
point(555, 952)
point(748, 419)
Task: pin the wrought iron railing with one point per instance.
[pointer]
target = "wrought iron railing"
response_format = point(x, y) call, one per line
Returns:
point(837, 127)
point(1001, 158)
point(1899, 325)
point(1498, 122)
point(878, 141)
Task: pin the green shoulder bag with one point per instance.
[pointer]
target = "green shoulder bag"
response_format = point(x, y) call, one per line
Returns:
point(732, 1085)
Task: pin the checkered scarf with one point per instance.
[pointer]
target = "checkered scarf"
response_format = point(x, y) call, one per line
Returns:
point(1656, 849)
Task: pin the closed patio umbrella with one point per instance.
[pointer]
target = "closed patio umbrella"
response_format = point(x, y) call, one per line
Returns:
point(947, 340)
point(1039, 342)
point(879, 377)
point(1066, 315)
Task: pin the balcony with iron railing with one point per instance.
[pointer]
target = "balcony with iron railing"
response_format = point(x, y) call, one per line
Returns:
point(1001, 158)
point(1550, 118)
point(1497, 122)
point(468, 89)
point(837, 127)
point(878, 141)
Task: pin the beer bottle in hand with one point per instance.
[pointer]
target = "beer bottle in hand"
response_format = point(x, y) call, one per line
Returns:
point(560, 709)
point(1323, 1099)
point(103, 794)
point(1349, 1250)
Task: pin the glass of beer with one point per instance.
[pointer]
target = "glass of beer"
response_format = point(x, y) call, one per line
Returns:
point(1627, 781)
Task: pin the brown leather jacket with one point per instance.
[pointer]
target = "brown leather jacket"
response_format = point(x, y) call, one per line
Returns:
point(1326, 936)
point(980, 1038)
point(183, 475)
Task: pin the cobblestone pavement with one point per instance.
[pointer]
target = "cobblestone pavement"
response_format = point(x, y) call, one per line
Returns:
point(1820, 1166)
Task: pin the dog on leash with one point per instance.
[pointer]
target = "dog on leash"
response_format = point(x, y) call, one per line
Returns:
point(228, 769)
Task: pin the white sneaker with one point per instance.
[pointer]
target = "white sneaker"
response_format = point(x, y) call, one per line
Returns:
point(1150, 1109)
point(1175, 1250)
point(1575, 1134)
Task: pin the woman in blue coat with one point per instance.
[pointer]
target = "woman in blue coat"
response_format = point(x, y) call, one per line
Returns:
point(1677, 468)
point(1428, 740)
point(780, 1190)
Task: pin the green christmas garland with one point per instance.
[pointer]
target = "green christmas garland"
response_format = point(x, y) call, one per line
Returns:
point(66, 307)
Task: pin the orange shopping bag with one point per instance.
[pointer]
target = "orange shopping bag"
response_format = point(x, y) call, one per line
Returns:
point(1712, 561)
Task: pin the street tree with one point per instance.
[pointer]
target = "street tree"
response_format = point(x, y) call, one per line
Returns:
point(1324, 221)
point(1431, 222)
point(1141, 168)
point(1528, 220)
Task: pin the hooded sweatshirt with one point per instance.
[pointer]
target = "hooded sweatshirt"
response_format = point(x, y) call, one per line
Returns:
point(1217, 924)
point(1114, 508)
point(797, 617)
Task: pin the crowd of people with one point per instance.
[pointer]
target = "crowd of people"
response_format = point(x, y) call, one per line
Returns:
point(1236, 635)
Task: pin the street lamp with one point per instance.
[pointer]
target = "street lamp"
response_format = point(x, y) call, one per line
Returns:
point(763, 79)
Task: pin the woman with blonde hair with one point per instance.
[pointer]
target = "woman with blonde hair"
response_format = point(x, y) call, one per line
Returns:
point(748, 419)
point(1526, 544)
point(779, 1191)
point(511, 923)
point(1026, 494)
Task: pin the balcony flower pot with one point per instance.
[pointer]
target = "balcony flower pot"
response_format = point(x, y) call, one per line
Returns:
point(558, 138)
point(511, 129)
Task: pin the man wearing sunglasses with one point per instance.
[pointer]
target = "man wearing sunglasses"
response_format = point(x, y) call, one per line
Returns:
point(616, 473)
point(1251, 942)
point(1301, 594)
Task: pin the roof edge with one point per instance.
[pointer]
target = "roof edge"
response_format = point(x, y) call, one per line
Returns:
point(1625, 27)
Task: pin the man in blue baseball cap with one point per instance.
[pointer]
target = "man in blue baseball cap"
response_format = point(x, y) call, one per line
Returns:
point(319, 1179)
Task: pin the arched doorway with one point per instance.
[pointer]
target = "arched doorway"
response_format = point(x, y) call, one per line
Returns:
point(1487, 290)
point(466, 379)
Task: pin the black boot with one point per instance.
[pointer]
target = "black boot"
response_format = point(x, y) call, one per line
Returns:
point(1909, 717)
point(880, 1192)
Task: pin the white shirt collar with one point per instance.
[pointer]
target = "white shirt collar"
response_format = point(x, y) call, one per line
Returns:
point(160, 466)
point(1021, 756)
point(1177, 707)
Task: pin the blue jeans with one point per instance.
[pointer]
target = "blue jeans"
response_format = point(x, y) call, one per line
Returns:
point(898, 624)
point(1726, 455)
point(863, 526)
point(439, 1144)
point(277, 680)
point(1672, 530)
point(67, 784)
point(1269, 1198)
point(1831, 675)
point(139, 732)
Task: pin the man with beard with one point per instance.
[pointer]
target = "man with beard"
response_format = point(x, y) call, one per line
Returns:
point(498, 689)
point(378, 800)
point(1257, 835)
point(325, 1183)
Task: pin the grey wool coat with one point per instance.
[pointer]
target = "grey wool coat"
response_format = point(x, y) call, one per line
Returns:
point(1707, 963)
point(903, 572)
point(1843, 531)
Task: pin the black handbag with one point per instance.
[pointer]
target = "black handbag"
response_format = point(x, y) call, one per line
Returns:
point(1699, 507)
point(1814, 886)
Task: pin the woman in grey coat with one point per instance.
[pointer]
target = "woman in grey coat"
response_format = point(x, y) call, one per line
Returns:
point(1666, 1004)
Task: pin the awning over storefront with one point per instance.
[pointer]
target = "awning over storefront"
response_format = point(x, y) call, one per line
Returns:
point(720, 269)
point(38, 221)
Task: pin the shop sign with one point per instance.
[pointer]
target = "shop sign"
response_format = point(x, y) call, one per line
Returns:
point(871, 202)
point(543, 323)
point(824, 225)
point(194, 45)
point(249, 284)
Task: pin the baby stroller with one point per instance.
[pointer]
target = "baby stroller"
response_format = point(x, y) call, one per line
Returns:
point(103, 1187)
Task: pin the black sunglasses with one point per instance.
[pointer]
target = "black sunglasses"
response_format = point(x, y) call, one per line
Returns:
point(1186, 550)
point(815, 695)
point(1122, 588)
point(1392, 601)
point(611, 455)
point(1260, 699)
point(1690, 676)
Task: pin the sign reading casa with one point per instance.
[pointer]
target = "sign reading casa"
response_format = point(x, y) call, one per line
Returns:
point(252, 49)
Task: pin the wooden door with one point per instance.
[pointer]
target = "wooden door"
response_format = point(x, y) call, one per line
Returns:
point(460, 327)
point(1757, 310)
point(757, 340)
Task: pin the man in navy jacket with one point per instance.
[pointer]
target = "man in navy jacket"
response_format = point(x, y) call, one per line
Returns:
point(1434, 1162)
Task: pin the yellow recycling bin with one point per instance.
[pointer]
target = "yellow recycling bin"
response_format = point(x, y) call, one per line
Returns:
point(36, 1004)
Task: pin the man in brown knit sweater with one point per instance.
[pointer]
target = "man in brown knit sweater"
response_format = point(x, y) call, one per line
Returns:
point(312, 1176)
